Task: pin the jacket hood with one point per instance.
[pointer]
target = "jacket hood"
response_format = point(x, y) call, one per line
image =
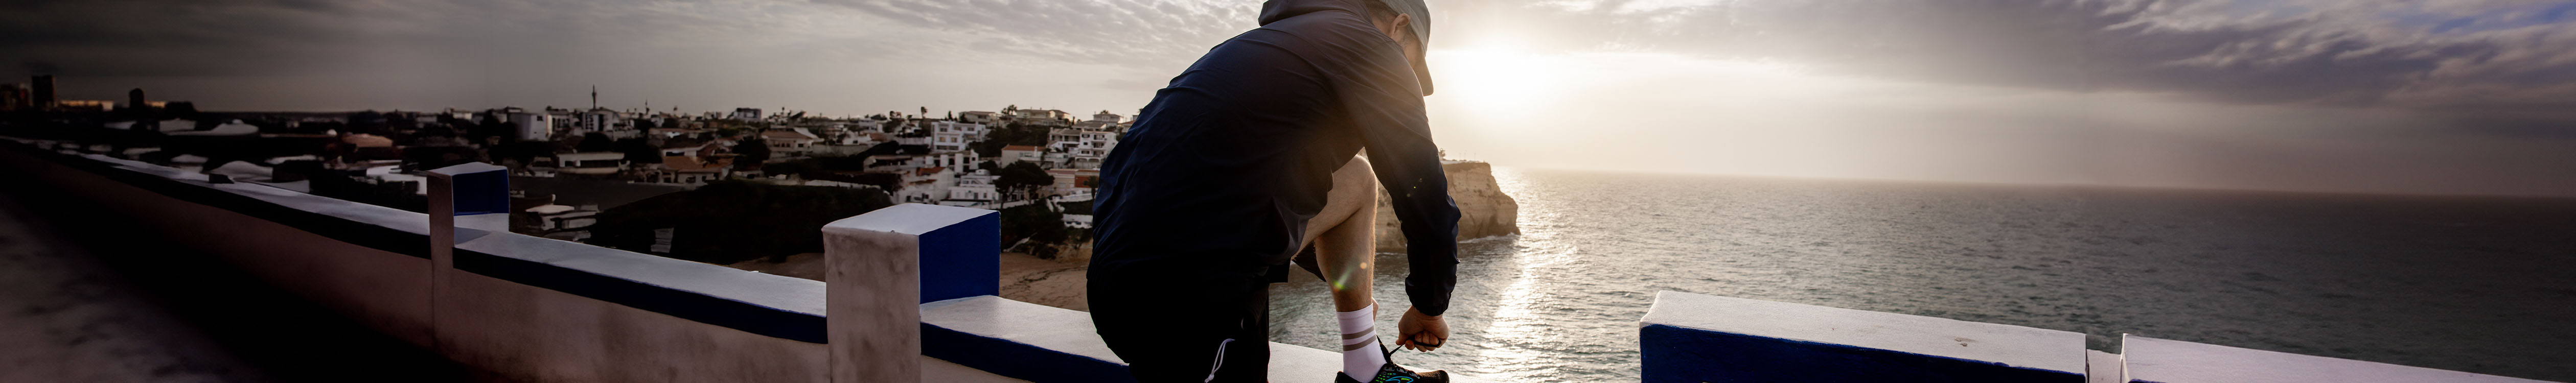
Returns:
point(1275, 10)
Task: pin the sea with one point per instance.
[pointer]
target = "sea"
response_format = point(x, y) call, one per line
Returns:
point(2477, 284)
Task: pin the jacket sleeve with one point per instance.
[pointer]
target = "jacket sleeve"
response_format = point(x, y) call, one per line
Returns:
point(1378, 91)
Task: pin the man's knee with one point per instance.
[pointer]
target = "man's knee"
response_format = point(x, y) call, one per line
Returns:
point(1354, 192)
point(1354, 187)
point(1355, 173)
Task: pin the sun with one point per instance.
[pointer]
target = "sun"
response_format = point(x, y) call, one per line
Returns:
point(1495, 79)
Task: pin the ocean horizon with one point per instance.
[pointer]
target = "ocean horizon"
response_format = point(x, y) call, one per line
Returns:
point(2468, 283)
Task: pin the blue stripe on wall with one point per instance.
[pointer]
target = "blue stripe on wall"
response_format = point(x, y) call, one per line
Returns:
point(1017, 360)
point(693, 306)
point(679, 303)
point(358, 233)
point(1677, 354)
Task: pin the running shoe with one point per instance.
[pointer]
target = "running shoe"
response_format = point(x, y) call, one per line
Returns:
point(1391, 373)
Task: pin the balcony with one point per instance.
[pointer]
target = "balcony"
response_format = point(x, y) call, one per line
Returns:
point(909, 296)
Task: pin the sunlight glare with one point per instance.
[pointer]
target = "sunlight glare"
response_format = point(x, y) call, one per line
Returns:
point(1497, 80)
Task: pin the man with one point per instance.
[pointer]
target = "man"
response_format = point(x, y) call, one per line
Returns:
point(1246, 158)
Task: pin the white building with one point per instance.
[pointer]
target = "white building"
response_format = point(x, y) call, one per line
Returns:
point(590, 163)
point(1017, 153)
point(685, 148)
point(690, 170)
point(600, 120)
point(1039, 116)
point(565, 222)
point(921, 140)
point(980, 117)
point(948, 136)
point(866, 138)
point(926, 185)
point(789, 141)
point(1073, 181)
point(565, 120)
point(1095, 125)
point(867, 126)
point(1086, 148)
point(963, 160)
point(1106, 116)
point(667, 132)
point(746, 114)
point(1056, 159)
point(896, 163)
point(533, 126)
point(973, 189)
point(1063, 139)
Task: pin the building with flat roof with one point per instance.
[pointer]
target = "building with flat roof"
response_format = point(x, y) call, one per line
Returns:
point(43, 96)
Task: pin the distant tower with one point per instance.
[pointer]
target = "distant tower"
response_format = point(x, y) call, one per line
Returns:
point(44, 97)
point(134, 99)
point(594, 97)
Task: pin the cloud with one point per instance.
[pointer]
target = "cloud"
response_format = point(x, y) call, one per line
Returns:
point(1143, 33)
point(2493, 61)
point(2466, 58)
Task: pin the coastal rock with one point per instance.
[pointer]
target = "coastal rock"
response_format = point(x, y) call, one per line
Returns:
point(1483, 209)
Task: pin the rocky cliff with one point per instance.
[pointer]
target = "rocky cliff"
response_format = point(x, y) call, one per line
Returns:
point(1483, 209)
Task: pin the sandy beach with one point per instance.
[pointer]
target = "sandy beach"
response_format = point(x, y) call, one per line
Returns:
point(1056, 283)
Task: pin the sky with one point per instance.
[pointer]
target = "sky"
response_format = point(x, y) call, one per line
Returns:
point(2378, 96)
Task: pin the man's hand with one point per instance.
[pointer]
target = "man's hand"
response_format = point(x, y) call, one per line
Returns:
point(1420, 332)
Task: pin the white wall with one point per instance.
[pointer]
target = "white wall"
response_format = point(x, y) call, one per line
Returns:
point(502, 327)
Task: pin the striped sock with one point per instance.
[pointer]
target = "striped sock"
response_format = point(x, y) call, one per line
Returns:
point(1360, 360)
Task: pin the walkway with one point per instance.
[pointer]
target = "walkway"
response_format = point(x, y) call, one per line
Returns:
point(79, 303)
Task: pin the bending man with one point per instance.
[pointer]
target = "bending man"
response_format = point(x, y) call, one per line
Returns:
point(1248, 157)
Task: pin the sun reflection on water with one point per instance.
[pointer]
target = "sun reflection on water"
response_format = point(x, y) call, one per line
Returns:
point(1510, 346)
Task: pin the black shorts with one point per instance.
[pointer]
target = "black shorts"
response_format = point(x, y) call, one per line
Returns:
point(1208, 329)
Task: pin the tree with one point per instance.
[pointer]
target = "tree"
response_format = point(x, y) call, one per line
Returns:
point(1009, 134)
point(1021, 179)
point(508, 131)
point(752, 152)
point(524, 152)
point(801, 168)
point(733, 221)
point(595, 142)
point(490, 126)
point(639, 151)
point(1037, 225)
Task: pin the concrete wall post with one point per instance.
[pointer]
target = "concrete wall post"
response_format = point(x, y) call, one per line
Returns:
point(477, 190)
point(882, 265)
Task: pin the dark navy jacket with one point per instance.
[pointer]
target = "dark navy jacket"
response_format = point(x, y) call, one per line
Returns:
point(1221, 171)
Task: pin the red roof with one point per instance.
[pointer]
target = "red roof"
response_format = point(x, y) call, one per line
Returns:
point(929, 170)
point(691, 164)
point(1027, 148)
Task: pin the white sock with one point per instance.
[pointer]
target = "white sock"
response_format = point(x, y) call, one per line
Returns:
point(1360, 357)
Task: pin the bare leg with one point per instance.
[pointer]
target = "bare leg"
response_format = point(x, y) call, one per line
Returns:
point(1343, 249)
point(1343, 236)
